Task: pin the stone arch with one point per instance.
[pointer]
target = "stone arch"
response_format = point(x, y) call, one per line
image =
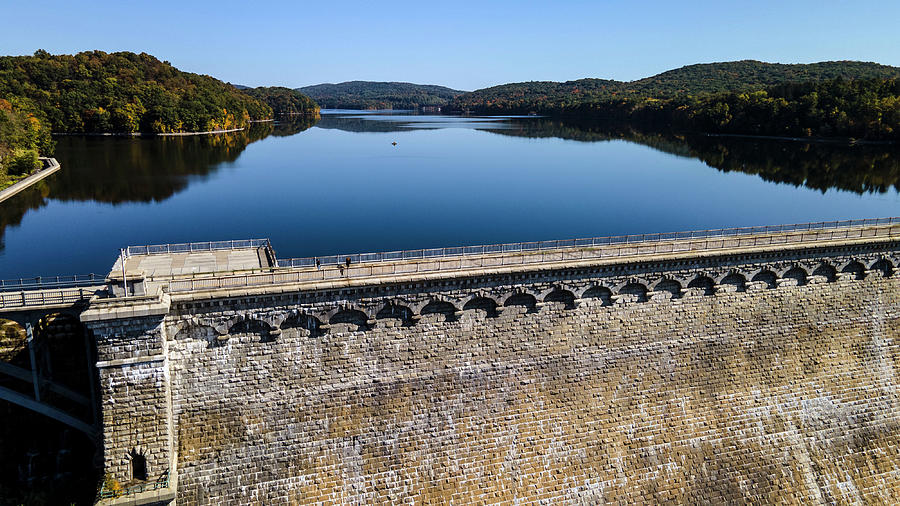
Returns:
point(392, 310)
point(797, 273)
point(766, 276)
point(704, 283)
point(883, 267)
point(483, 303)
point(249, 326)
point(351, 317)
point(561, 295)
point(735, 282)
point(633, 291)
point(202, 332)
point(440, 307)
point(670, 286)
point(854, 270)
point(254, 326)
point(521, 299)
point(301, 320)
point(826, 271)
point(600, 292)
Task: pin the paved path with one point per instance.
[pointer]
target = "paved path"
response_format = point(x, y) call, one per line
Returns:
point(334, 276)
point(30, 180)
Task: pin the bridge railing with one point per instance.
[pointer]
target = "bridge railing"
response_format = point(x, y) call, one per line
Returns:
point(189, 247)
point(46, 282)
point(46, 297)
point(392, 256)
point(108, 492)
point(757, 236)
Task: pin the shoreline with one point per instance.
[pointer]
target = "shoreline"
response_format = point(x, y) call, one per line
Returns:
point(144, 134)
point(22, 184)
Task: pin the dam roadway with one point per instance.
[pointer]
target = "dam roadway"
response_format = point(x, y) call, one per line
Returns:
point(737, 365)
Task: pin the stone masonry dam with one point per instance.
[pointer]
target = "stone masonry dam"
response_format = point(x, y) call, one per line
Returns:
point(733, 366)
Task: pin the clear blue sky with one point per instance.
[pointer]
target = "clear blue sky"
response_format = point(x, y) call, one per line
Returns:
point(461, 44)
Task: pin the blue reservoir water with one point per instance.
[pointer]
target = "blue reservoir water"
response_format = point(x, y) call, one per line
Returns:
point(342, 186)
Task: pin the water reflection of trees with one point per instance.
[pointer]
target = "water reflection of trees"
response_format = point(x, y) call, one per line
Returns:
point(363, 123)
point(286, 126)
point(859, 168)
point(117, 170)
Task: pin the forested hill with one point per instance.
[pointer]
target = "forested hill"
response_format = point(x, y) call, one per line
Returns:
point(284, 100)
point(738, 76)
point(832, 99)
point(122, 92)
point(378, 95)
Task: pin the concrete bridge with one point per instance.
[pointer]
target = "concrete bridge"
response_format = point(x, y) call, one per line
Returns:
point(726, 365)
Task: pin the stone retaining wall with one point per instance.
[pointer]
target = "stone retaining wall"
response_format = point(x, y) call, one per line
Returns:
point(754, 394)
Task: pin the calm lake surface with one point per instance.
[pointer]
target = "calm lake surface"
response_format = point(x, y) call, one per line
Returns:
point(340, 186)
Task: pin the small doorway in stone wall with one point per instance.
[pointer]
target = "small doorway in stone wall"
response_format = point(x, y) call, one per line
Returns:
point(138, 465)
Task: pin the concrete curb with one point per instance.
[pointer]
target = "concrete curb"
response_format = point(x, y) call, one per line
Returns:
point(30, 180)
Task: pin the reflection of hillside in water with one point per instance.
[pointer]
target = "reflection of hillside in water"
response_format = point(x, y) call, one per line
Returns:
point(859, 168)
point(118, 170)
point(408, 121)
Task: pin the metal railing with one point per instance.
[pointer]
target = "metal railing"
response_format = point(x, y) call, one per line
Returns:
point(47, 297)
point(188, 247)
point(43, 282)
point(159, 483)
point(392, 256)
point(613, 247)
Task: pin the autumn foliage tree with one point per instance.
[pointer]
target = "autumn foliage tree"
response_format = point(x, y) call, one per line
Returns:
point(123, 92)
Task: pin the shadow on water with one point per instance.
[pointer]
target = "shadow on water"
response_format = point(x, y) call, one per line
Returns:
point(117, 170)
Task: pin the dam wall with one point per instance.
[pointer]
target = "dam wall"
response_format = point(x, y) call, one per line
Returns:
point(729, 377)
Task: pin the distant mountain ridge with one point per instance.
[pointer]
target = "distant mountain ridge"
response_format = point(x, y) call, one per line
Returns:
point(736, 76)
point(379, 95)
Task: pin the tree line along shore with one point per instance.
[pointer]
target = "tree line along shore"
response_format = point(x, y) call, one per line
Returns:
point(127, 93)
point(122, 93)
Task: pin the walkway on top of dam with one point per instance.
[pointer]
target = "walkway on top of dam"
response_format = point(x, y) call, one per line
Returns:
point(231, 265)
